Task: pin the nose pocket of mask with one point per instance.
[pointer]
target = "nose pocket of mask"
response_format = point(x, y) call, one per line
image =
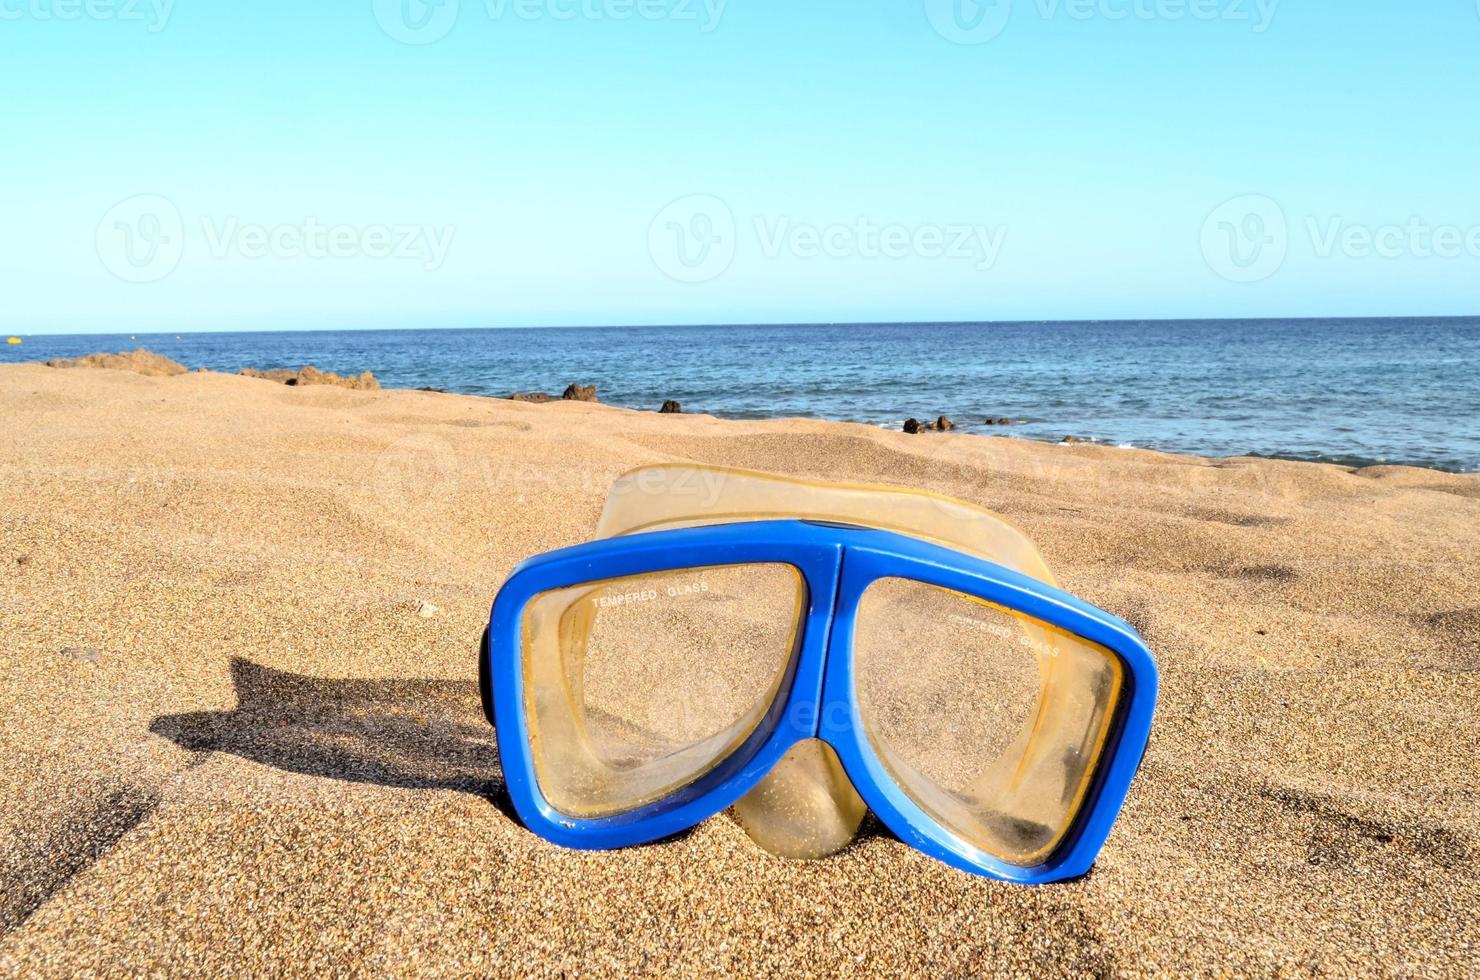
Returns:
point(806, 807)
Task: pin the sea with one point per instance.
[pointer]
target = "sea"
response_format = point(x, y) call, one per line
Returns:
point(1350, 391)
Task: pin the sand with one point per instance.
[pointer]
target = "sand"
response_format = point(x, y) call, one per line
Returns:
point(232, 742)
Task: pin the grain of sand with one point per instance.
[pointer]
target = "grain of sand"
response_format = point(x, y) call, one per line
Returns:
point(233, 745)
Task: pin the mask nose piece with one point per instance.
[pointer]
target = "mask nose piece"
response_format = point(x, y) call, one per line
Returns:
point(805, 807)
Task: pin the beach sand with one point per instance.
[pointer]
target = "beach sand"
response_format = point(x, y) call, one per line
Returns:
point(232, 743)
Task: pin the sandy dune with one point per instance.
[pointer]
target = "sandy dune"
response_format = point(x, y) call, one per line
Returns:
point(231, 742)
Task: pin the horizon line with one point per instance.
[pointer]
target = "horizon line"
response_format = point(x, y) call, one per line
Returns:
point(778, 323)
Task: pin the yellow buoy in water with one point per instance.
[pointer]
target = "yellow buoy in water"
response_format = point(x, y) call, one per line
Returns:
point(12, 340)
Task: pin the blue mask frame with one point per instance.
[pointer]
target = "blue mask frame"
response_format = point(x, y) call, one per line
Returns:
point(837, 562)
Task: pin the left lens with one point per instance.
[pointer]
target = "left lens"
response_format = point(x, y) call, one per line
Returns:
point(635, 687)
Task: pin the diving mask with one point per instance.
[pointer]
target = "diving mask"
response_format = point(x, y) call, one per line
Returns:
point(806, 652)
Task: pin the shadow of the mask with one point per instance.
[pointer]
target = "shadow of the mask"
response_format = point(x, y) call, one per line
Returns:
point(408, 734)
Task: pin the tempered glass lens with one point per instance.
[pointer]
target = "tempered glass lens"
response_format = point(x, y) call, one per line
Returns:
point(636, 686)
point(991, 721)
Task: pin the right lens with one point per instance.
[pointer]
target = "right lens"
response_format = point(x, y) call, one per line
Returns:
point(991, 721)
point(636, 686)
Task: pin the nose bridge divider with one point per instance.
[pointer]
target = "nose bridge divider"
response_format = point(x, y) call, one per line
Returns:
point(806, 807)
point(833, 711)
point(825, 643)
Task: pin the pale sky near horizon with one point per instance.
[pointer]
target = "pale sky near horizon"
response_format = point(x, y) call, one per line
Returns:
point(190, 165)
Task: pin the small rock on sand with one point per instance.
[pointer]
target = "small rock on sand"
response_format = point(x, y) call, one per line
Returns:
point(942, 424)
point(579, 393)
point(573, 393)
point(671, 407)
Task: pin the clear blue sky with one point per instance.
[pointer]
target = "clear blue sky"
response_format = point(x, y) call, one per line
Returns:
point(523, 161)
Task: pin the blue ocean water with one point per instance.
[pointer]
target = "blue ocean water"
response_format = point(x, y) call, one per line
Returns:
point(1349, 391)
